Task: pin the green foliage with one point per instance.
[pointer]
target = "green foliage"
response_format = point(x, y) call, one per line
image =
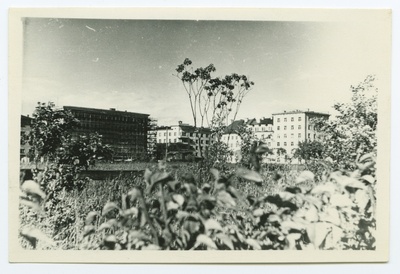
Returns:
point(353, 132)
point(49, 130)
point(309, 150)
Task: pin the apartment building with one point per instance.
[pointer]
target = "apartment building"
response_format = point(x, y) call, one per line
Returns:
point(262, 130)
point(292, 127)
point(198, 138)
point(125, 132)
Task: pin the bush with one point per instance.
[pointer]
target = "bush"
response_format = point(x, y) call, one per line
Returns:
point(244, 210)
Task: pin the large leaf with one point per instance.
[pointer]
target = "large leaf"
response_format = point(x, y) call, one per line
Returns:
point(33, 188)
point(225, 239)
point(212, 224)
point(354, 183)
point(109, 224)
point(250, 175)
point(151, 247)
point(324, 188)
point(33, 235)
point(179, 199)
point(158, 177)
point(108, 207)
point(225, 199)
point(253, 243)
point(304, 176)
point(88, 229)
point(215, 173)
point(205, 240)
point(134, 193)
point(90, 217)
point(331, 215)
point(32, 204)
point(172, 206)
point(288, 225)
point(147, 175)
point(341, 200)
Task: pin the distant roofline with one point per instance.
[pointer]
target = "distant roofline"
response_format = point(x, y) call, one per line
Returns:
point(185, 126)
point(301, 111)
point(106, 110)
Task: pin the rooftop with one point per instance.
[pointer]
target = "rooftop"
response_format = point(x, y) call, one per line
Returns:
point(104, 111)
point(301, 111)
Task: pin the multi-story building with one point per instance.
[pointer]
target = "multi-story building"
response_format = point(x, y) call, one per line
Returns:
point(262, 131)
point(292, 127)
point(125, 132)
point(25, 129)
point(282, 133)
point(199, 139)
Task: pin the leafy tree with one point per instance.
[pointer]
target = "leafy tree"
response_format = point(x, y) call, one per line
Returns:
point(50, 138)
point(84, 151)
point(212, 100)
point(353, 132)
point(49, 131)
point(309, 150)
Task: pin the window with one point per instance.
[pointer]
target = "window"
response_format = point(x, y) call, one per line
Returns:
point(169, 133)
point(292, 135)
point(292, 127)
point(284, 135)
point(309, 127)
point(299, 118)
point(299, 127)
point(292, 119)
point(292, 143)
point(278, 136)
point(284, 128)
point(309, 135)
point(278, 127)
point(278, 144)
point(299, 135)
point(263, 128)
point(174, 133)
point(279, 119)
point(284, 144)
point(285, 119)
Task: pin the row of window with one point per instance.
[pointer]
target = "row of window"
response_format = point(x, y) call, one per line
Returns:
point(284, 144)
point(292, 136)
point(206, 142)
point(292, 127)
point(269, 128)
point(91, 116)
point(286, 119)
point(184, 134)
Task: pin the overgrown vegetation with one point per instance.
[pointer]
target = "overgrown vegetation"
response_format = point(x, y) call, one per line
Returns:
point(208, 205)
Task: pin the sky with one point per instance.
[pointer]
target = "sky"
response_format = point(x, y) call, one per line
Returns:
point(130, 64)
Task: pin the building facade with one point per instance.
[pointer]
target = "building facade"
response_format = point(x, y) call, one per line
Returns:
point(126, 132)
point(199, 139)
point(282, 133)
point(292, 127)
point(262, 131)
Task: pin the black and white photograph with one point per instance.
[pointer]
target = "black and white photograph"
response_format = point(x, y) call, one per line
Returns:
point(199, 135)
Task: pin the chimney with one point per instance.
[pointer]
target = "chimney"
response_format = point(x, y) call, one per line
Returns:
point(180, 122)
point(112, 109)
